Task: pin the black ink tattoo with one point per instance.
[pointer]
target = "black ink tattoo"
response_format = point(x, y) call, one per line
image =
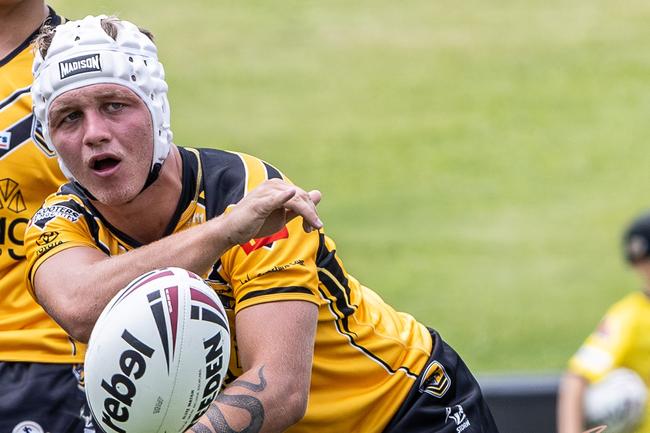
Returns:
point(200, 428)
point(255, 387)
point(249, 403)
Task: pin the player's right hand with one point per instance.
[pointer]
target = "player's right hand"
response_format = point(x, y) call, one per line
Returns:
point(268, 208)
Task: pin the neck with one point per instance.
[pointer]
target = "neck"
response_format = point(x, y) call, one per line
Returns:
point(146, 217)
point(19, 20)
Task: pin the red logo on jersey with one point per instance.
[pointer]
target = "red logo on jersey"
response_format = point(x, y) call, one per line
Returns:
point(603, 329)
point(258, 243)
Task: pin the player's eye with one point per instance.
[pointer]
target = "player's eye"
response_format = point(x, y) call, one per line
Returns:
point(115, 106)
point(70, 117)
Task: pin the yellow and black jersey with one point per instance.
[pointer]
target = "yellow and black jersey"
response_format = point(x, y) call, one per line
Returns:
point(622, 339)
point(366, 357)
point(28, 174)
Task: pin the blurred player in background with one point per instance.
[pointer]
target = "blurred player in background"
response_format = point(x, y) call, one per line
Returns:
point(622, 338)
point(38, 387)
point(313, 349)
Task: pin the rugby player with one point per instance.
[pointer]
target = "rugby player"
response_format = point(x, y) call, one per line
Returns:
point(622, 339)
point(313, 349)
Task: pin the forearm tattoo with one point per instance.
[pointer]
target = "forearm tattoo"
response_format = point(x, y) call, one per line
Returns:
point(242, 401)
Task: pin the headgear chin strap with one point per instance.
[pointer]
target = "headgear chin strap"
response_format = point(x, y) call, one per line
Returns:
point(82, 53)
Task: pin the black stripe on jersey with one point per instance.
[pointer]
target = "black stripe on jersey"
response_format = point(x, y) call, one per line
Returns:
point(188, 190)
point(342, 308)
point(23, 131)
point(327, 260)
point(215, 275)
point(338, 296)
point(20, 132)
point(341, 327)
point(275, 291)
point(271, 172)
point(13, 97)
point(224, 180)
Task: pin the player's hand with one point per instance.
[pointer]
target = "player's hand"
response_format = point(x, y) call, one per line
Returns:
point(268, 208)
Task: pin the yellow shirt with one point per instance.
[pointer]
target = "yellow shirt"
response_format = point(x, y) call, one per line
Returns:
point(366, 356)
point(622, 339)
point(28, 174)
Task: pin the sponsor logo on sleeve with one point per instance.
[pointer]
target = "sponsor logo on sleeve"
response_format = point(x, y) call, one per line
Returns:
point(435, 380)
point(47, 214)
point(267, 241)
point(44, 249)
point(275, 268)
point(47, 238)
point(47, 241)
point(457, 414)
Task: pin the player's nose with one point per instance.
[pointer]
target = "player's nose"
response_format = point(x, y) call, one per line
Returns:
point(96, 129)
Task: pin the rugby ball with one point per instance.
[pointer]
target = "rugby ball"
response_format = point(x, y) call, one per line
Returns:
point(617, 401)
point(158, 354)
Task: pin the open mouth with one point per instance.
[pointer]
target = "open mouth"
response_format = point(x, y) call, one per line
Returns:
point(104, 164)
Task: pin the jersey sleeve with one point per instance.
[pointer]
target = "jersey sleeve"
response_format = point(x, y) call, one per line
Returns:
point(280, 267)
point(605, 348)
point(61, 223)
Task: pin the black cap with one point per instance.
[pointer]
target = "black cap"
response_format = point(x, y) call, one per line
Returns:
point(636, 239)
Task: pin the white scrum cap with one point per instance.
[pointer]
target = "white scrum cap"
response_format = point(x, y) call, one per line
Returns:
point(82, 53)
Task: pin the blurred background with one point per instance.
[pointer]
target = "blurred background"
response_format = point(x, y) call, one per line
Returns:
point(478, 159)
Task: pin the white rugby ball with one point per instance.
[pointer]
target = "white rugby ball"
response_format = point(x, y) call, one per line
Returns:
point(617, 401)
point(158, 354)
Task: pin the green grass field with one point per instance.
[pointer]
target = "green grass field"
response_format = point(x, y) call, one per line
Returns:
point(478, 159)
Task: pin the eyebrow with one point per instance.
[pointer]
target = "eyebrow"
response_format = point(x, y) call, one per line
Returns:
point(124, 93)
point(102, 94)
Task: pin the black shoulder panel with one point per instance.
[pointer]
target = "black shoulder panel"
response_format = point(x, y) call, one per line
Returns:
point(272, 172)
point(224, 180)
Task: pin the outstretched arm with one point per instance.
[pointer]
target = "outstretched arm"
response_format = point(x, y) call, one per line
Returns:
point(75, 284)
